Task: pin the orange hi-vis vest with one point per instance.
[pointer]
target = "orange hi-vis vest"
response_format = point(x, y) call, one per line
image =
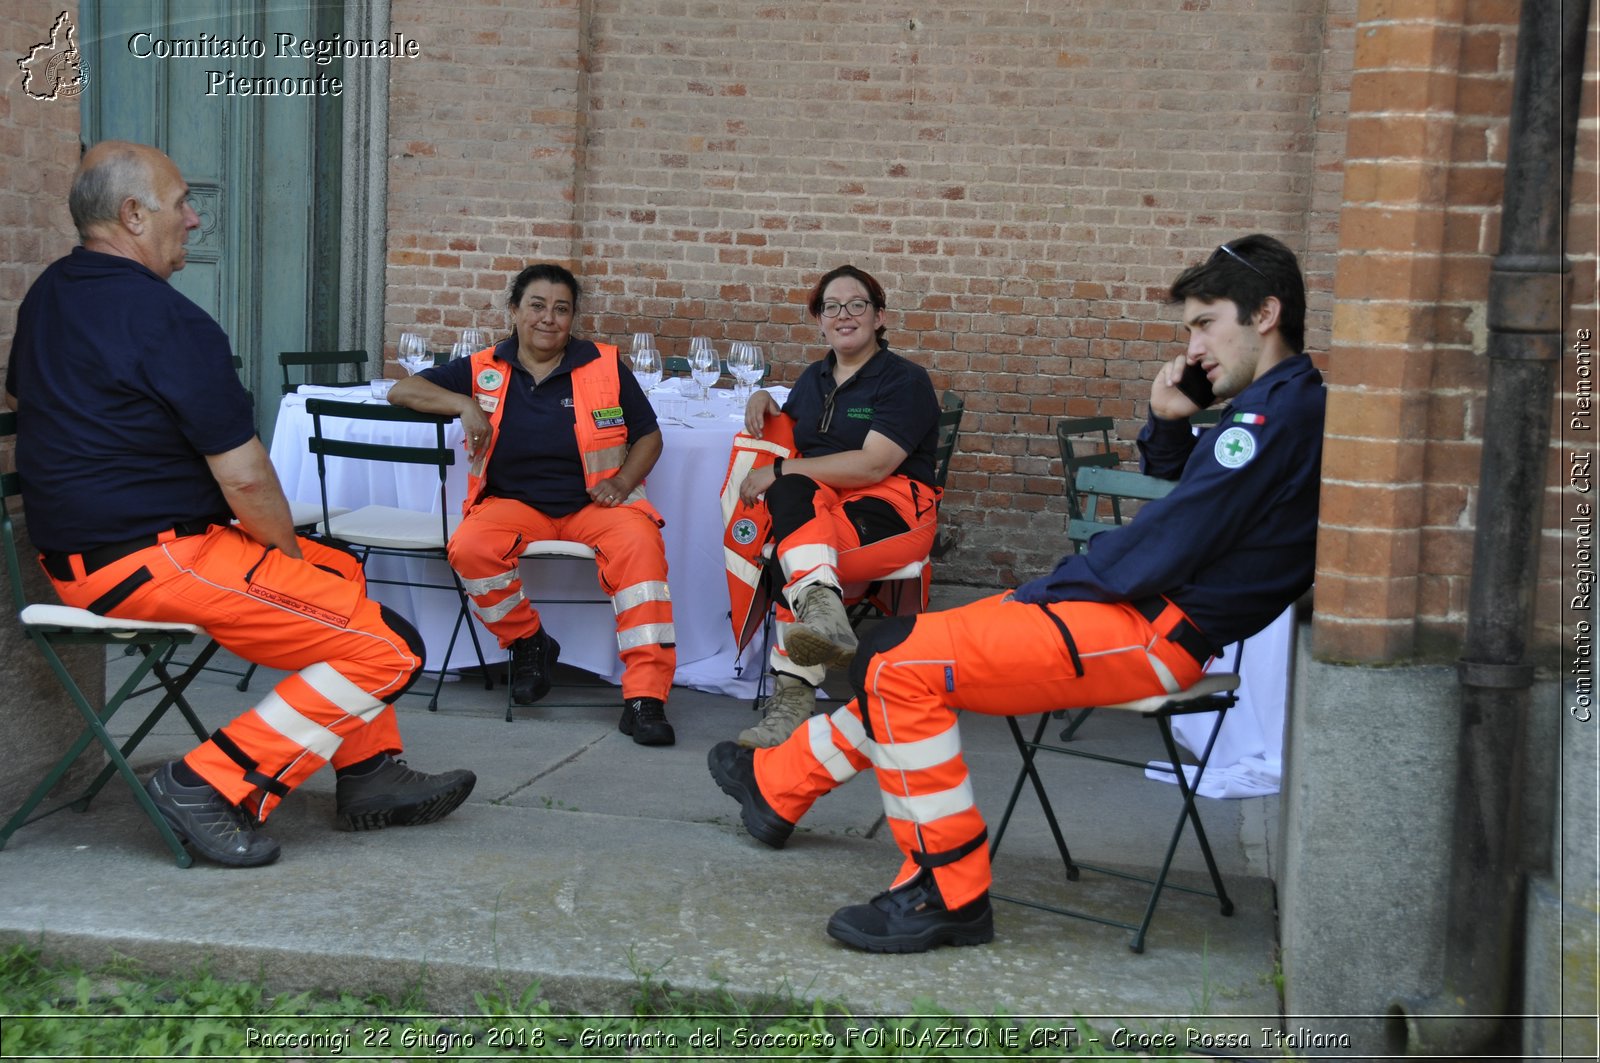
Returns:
point(597, 407)
point(745, 528)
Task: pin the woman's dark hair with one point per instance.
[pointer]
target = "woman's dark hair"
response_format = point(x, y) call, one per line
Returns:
point(1247, 271)
point(544, 271)
point(868, 281)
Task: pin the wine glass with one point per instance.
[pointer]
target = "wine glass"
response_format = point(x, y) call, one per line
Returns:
point(412, 352)
point(476, 338)
point(748, 365)
point(706, 371)
point(643, 341)
point(464, 348)
point(647, 367)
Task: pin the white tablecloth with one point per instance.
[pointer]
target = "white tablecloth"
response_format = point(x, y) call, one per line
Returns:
point(684, 487)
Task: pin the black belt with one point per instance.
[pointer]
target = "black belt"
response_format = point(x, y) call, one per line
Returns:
point(1184, 634)
point(59, 564)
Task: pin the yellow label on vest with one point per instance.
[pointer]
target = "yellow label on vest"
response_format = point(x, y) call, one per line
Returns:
point(610, 417)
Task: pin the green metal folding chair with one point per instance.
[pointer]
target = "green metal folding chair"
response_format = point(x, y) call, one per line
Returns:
point(1214, 692)
point(50, 627)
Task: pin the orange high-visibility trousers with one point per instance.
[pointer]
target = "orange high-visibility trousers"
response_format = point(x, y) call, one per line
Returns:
point(827, 549)
point(633, 571)
point(998, 657)
point(350, 657)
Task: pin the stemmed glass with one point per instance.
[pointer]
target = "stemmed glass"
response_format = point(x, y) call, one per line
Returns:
point(643, 341)
point(412, 352)
point(748, 365)
point(476, 339)
point(706, 371)
point(646, 363)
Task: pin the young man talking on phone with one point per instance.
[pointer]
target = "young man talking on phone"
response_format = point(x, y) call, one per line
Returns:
point(1139, 614)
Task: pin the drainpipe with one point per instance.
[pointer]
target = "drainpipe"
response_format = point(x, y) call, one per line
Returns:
point(1528, 293)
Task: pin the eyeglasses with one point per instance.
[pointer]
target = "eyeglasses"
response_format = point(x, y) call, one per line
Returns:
point(1224, 249)
point(855, 308)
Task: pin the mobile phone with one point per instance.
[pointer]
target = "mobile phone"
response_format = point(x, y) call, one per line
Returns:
point(1195, 387)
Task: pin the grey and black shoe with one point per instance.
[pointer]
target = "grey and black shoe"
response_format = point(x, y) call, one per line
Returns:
point(393, 795)
point(913, 918)
point(206, 823)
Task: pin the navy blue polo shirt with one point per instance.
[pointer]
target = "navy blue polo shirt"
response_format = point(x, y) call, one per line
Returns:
point(890, 395)
point(535, 458)
point(1234, 544)
point(124, 386)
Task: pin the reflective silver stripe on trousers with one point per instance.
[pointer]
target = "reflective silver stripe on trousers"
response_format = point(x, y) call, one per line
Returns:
point(654, 590)
point(928, 808)
point(475, 587)
point(645, 635)
point(492, 613)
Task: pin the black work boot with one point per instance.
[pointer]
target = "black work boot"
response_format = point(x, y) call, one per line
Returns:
point(913, 918)
point(393, 795)
point(734, 768)
point(206, 823)
point(533, 663)
point(646, 720)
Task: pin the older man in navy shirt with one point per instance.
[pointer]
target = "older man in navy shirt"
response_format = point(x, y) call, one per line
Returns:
point(149, 497)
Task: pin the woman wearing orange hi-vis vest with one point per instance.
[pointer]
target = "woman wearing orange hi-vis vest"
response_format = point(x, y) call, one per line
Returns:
point(560, 441)
point(852, 500)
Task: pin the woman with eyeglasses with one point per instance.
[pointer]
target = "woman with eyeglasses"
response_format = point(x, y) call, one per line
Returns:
point(853, 500)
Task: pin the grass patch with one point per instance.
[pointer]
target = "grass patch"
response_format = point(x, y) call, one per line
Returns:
point(118, 1012)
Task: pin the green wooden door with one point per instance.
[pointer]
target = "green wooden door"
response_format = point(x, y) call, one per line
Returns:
point(263, 170)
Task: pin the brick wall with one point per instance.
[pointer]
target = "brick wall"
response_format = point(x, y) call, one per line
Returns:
point(38, 154)
point(1025, 183)
point(1423, 180)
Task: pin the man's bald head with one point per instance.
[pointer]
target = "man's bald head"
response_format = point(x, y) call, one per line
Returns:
point(109, 173)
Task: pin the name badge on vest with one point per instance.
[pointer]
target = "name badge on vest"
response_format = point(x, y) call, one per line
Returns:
point(610, 417)
point(488, 403)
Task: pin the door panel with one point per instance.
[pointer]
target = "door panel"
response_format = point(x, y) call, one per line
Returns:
point(251, 161)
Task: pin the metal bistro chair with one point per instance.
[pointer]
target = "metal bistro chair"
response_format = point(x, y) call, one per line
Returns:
point(388, 531)
point(50, 627)
point(1214, 692)
point(322, 367)
point(554, 550)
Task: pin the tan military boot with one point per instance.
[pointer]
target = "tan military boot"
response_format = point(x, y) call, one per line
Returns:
point(821, 633)
point(791, 702)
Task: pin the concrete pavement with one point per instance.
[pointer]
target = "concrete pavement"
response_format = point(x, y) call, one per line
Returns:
point(583, 862)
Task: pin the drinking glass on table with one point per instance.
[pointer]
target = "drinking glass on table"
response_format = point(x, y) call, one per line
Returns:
point(476, 339)
point(412, 352)
point(643, 341)
point(706, 371)
point(646, 364)
point(748, 365)
point(463, 348)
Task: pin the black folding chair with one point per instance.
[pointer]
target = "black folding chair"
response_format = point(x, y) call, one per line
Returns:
point(1214, 692)
point(50, 627)
point(322, 367)
point(390, 531)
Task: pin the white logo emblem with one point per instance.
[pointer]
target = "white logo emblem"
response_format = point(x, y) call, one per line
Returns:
point(744, 531)
point(489, 380)
point(1234, 447)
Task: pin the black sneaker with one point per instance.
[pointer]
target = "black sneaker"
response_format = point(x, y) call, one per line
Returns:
point(913, 918)
point(734, 768)
point(393, 795)
point(207, 824)
point(533, 663)
point(646, 720)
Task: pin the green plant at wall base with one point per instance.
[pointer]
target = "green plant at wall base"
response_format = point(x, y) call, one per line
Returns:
point(60, 1012)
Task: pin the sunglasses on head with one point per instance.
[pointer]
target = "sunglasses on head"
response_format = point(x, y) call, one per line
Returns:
point(1224, 249)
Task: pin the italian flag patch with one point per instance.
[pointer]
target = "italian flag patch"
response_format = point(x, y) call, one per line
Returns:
point(1249, 418)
